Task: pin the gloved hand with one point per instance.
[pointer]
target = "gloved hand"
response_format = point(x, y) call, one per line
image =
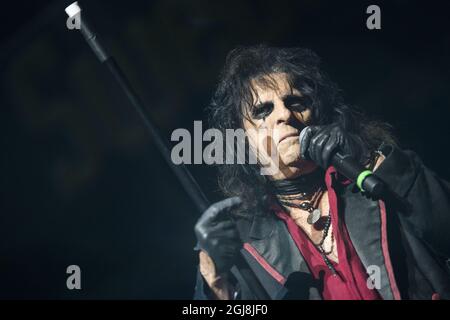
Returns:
point(217, 234)
point(319, 143)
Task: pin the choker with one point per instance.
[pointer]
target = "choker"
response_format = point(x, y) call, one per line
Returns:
point(306, 188)
point(305, 185)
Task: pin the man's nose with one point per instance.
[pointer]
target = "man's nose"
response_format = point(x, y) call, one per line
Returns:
point(282, 113)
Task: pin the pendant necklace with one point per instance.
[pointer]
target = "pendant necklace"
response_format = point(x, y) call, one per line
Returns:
point(310, 204)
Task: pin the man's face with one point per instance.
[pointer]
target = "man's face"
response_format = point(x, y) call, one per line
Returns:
point(276, 120)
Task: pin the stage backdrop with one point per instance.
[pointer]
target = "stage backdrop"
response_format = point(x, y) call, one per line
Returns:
point(82, 183)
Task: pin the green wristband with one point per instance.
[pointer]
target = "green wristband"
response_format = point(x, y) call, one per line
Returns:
point(361, 178)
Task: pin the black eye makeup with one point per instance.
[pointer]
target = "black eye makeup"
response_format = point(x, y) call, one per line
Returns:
point(292, 102)
point(262, 110)
point(296, 103)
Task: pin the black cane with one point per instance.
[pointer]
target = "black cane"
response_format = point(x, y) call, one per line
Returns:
point(181, 172)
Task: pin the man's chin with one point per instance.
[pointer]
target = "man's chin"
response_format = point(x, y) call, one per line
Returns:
point(302, 166)
point(291, 159)
point(308, 167)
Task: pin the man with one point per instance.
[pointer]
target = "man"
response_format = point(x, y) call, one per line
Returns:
point(306, 231)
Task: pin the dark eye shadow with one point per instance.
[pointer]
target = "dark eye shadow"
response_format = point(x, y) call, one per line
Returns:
point(262, 110)
point(296, 103)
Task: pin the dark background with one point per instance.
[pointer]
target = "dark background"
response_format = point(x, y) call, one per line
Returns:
point(82, 183)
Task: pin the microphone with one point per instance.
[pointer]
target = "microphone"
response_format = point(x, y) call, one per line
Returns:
point(348, 166)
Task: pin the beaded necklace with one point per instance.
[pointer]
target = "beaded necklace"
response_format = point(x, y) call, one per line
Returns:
point(309, 189)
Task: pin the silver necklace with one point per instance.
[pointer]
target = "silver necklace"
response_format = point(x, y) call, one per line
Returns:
point(310, 205)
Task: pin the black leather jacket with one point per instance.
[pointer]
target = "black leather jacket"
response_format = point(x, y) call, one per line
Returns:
point(407, 237)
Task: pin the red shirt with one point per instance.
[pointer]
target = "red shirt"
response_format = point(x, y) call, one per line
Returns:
point(350, 283)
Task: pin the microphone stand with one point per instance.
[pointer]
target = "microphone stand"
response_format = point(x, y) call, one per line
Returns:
point(241, 270)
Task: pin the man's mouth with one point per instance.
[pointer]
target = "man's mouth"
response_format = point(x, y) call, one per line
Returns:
point(290, 135)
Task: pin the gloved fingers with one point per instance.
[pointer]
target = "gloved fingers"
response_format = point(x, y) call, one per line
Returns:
point(229, 203)
point(224, 256)
point(197, 247)
point(225, 234)
point(230, 251)
point(220, 210)
point(329, 149)
point(316, 148)
point(305, 140)
point(231, 246)
point(218, 226)
point(209, 229)
point(212, 235)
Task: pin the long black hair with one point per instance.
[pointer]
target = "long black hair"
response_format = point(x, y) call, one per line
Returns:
point(228, 110)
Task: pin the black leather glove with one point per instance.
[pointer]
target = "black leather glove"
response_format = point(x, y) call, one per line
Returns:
point(217, 234)
point(319, 143)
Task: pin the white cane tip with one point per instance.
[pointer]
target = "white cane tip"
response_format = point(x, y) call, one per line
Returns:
point(73, 9)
